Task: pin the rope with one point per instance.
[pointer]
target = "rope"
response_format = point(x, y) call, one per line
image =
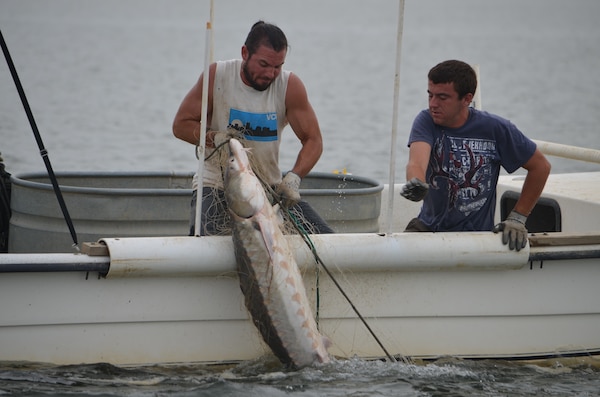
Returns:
point(313, 250)
point(306, 238)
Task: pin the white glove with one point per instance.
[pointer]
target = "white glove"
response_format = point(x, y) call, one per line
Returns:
point(513, 231)
point(289, 190)
point(415, 190)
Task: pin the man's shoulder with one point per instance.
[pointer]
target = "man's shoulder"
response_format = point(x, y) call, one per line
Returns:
point(423, 118)
point(227, 70)
point(228, 63)
point(488, 117)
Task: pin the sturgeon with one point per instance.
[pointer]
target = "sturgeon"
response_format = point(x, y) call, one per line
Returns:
point(270, 280)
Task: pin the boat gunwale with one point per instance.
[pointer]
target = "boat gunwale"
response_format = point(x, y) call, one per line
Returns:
point(22, 180)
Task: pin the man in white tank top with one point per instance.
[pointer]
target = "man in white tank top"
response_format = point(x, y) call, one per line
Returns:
point(256, 97)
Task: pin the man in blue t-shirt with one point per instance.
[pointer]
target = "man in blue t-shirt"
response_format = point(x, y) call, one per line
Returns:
point(455, 157)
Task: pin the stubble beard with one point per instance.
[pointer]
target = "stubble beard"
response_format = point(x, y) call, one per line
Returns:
point(253, 83)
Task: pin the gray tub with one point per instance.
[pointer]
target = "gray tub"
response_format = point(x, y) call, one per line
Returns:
point(156, 204)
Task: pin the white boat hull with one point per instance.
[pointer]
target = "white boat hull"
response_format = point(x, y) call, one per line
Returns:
point(422, 308)
point(424, 295)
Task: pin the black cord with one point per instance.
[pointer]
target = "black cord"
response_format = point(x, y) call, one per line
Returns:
point(38, 138)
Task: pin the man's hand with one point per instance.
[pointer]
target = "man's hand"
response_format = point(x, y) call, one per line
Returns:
point(513, 231)
point(289, 190)
point(415, 190)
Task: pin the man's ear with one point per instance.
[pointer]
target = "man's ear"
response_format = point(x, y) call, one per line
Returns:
point(468, 98)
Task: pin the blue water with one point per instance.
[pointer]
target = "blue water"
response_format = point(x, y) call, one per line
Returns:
point(105, 77)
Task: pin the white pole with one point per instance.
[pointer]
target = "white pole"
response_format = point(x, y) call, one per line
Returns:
point(351, 252)
point(202, 140)
point(569, 152)
point(212, 24)
point(392, 179)
point(477, 97)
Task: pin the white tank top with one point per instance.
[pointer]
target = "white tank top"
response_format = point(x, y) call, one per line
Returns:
point(260, 115)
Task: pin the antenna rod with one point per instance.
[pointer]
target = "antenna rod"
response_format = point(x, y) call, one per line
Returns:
point(38, 138)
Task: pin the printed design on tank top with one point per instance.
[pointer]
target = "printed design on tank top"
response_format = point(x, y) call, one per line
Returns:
point(255, 126)
point(464, 167)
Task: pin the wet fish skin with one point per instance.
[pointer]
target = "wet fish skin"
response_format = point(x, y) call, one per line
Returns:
point(270, 280)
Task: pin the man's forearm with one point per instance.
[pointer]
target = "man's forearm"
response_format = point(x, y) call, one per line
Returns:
point(307, 158)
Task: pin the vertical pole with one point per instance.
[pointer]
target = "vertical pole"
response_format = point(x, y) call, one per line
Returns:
point(477, 97)
point(212, 24)
point(202, 141)
point(392, 179)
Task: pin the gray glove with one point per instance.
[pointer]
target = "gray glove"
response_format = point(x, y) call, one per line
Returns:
point(289, 190)
point(514, 231)
point(414, 190)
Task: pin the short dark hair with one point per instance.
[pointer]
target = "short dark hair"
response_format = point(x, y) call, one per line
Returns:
point(458, 72)
point(267, 34)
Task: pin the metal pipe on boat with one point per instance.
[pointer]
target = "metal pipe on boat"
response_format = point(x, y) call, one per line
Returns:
point(559, 253)
point(29, 263)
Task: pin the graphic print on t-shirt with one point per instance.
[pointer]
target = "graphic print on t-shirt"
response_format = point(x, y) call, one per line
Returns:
point(254, 126)
point(464, 166)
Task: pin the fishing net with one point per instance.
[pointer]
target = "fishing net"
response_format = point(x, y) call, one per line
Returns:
point(216, 214)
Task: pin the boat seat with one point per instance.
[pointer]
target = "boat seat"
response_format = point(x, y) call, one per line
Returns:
point(545, 217)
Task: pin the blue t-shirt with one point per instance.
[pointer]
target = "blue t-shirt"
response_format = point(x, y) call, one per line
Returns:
point(464, 167)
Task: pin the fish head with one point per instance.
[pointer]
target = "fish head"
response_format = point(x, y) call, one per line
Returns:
point(244, 194)
point(238, 159)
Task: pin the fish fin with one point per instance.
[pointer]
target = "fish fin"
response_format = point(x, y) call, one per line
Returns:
point(267, 235)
